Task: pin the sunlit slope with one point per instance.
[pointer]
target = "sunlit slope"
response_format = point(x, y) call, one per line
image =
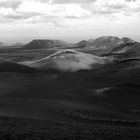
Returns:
point(68, 60)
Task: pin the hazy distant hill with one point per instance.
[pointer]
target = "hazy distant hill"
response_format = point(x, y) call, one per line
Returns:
point(1, 44)
point(46, 43)
point(110, 44)
point(104, 42)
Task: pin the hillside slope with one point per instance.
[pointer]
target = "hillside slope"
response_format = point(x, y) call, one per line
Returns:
point(68, 60)
point(10, 66)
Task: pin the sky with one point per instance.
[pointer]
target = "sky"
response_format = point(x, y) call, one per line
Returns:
point(69, 20)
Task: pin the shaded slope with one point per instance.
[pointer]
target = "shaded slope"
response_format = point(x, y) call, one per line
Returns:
point(10, 66)
point(101, 94)
point(119, 78)
point(127, 48)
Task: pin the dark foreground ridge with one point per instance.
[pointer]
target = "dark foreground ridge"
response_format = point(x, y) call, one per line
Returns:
point(15, 128)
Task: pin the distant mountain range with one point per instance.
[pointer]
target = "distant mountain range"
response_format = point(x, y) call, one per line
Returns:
point(98, 43)
point(105, 44)
point(101, 45)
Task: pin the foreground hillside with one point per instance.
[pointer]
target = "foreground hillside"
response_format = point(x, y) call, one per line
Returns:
point(71, 94)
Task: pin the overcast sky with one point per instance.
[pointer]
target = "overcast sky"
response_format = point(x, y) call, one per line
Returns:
point(70, 20)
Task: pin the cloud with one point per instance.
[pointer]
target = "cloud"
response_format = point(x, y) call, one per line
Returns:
point(130, 0)
point(35, 11)
point(63, 11)
point(72, 1)
point(105, 7)
point(55, 10)
point(111, 7)
point(22, 16)
point(10, 4)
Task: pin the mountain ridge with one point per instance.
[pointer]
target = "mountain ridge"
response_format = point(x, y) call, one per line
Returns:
point(104, 44)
